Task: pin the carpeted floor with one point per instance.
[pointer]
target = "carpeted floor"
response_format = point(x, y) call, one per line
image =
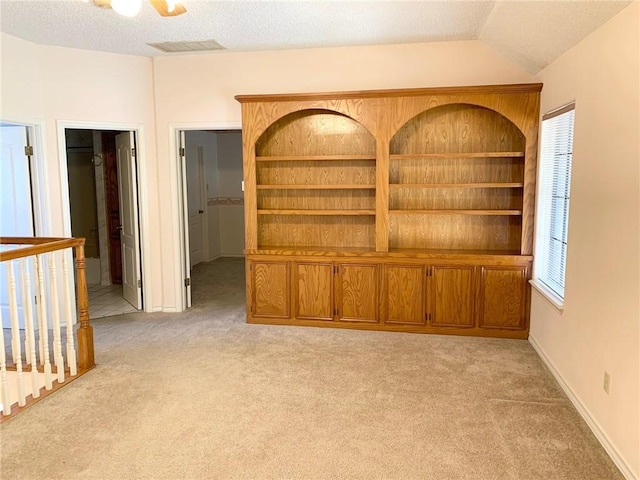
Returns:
point(202, 395)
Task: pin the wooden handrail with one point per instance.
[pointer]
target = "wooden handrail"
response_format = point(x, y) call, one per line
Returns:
point(40, 245)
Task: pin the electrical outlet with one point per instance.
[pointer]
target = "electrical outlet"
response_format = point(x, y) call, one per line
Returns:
point(607, 382)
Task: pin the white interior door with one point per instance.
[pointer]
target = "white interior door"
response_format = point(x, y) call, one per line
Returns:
point(194, 161)
point(129, 233)
point(185, 221)
point(16, 211)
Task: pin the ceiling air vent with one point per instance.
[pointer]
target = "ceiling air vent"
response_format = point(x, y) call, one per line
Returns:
point(202, 46)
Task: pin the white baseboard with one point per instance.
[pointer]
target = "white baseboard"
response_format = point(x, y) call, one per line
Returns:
point(233, 255)
point(169, 309)
point(585, 414)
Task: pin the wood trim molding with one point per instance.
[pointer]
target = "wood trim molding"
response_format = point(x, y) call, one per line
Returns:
point(407, 92)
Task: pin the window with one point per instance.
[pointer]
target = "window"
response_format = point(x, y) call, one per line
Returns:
point(553, 198)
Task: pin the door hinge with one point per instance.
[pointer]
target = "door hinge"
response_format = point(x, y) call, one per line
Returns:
point(28, 150)
point(429, 271)
point(187, 282)
point(133, 152)
point(182, 151)
point(139, 283)
point(428, 317)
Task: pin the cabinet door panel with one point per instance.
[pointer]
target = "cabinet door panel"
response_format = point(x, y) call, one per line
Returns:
point(405, 294)
point(271, 289)
point(357, 293)
point(314, 291)
point(503, 297)
point(452, 296)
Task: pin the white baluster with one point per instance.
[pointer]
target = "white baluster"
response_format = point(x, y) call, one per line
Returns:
point(44, 326)
point(71, 349)
point(30, 346)
point(15, 333)
point(36, 280)
point(27, 332)
point(6, 402)
point(55, 306)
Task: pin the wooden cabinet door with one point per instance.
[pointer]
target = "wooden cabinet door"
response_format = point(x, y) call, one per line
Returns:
point(270, 289)
point(313, 290)
point(451, 296)
point(357, 292)
point(404, 294)
point(503, 297)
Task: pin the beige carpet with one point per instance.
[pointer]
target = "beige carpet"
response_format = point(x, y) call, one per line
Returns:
point(202, 395)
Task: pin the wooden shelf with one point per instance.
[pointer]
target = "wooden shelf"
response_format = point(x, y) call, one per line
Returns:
point(457, 212)
point(412, 253)
point(306, 158)
point(456, 185)
point(411, 156)
point(317, 212)
point(316, 187)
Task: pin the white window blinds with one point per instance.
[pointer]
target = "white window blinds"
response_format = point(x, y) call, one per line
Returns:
point(553, 197)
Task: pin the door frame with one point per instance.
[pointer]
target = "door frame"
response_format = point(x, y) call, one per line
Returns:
point(177, 172)
point(143, 189)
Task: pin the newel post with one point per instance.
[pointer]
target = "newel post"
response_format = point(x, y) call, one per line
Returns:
point(86, 358)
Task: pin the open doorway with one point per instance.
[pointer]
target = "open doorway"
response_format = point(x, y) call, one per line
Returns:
point(212, 201)
point(103, 208)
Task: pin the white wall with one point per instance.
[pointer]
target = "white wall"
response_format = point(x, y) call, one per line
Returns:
point(205, 94)
point(599, 329)
point(230, 173)
point(49, 84)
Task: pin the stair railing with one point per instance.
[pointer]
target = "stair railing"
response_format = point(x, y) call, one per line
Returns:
point(39, 300)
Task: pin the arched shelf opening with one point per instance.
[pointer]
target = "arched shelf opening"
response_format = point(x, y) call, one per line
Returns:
point(458, 128)
point(315, 132)
point(458, 171)
point(315, 181)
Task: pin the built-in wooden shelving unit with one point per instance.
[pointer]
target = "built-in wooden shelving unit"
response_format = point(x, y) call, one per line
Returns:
point(394, 210)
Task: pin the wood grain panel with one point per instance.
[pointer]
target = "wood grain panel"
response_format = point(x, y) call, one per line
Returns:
point(452, 299)
point(404, 92)
point(357, 292)
point(455, 232)
point(356, 199)
point(315, 132)
point(314, 291)
point(313, 172)
point(271, 289)
point(250, 123)
point(455, 198)
point(503, 297)
point(457, 128)
point(456, 170)
point(404, 294)
point(316, 231)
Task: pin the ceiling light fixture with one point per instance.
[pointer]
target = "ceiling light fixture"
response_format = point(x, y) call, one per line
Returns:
point(127, 8)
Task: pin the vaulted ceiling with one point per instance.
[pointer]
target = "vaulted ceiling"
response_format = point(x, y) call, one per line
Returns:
point(530, 33)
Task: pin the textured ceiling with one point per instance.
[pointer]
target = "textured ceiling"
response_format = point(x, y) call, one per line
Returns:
point(532, 33)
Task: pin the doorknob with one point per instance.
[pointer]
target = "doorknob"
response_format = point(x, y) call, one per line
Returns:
point(119, 228)
point(200, 211)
